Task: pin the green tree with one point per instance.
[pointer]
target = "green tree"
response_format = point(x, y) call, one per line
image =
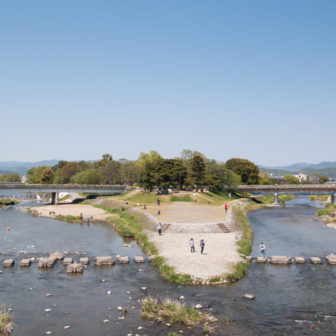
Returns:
point(89, 176)
point(69, 170)
point(290, 179)
point(34, 174)
point(247, 170)
point(197, 170)
point(47, 175)
point(11, 177)
point(130, 173)
point(324, 179)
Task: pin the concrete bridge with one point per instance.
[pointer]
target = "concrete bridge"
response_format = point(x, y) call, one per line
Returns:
point(54, 189)
point(290, 189)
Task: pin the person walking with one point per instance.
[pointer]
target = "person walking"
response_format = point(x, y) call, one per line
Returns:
point(159, 228)
point(158, 202)
point(262, 248)
point(202, 244)
point(192, 245)
point(225, 206)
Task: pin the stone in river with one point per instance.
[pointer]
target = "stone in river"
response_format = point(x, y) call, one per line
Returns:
point(299, 260)
point(8, 263)
point(67, 261)
point(331, 258)
point(57, 255)
point(123, 260)
point(139, 259)
point(249, 296)
point(84, 261)
point(315, 260)
point(75, 268)
point(261, 260)
point(104, 261)
point(25, 263)
point(280, 260)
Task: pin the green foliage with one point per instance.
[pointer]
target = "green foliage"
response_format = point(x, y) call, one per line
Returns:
point(290, 179)
point(240, 270)
point(89, 176)
point(69, 218)
point(5, 202)
point(47, 175)
point(172, 311)
point(197, 170)
point(247, 170)
point(185, 198)
point(245, 244)
point(5, 322)
point(324, 212)
point(10, 177)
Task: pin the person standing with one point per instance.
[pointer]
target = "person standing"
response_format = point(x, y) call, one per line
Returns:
point(192, 245)
point(225, 206)
point(158, 202)
point(159, 228)
point(262, 248)
point(202, 244)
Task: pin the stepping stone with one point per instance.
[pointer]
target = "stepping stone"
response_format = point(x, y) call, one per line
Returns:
point(123, 260)
point(67, 261)
point(104, 261)
point(151, 258)
point(25, 263)
point(299, 260)
point(280, 260)
point(331, 258)
point(139, 260)
point(8, 263)
point(75, 268)
point(84, 261)
point(261, 260)
point(248, 258)
point(56, 255)
point(249, 296)
point(315, 260)
point(46, 262)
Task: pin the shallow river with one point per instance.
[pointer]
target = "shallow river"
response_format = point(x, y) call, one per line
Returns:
point(290, 300)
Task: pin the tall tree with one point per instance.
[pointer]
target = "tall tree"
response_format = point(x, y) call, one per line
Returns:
point(247, 170)
point(197, 170)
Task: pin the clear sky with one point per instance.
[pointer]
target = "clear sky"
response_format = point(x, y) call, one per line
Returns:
point(252, 79)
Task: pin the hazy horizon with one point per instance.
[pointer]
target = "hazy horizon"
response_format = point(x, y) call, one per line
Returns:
point(255, 80)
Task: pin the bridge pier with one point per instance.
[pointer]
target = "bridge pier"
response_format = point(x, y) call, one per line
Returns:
point(54, 198)
point(276, 198)
point(332, 198)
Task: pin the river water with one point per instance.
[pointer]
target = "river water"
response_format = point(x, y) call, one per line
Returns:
point(290, 300)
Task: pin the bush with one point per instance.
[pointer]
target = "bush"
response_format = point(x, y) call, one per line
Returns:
point(185, 198)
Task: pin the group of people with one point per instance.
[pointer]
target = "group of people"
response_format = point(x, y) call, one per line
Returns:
point(192, 245)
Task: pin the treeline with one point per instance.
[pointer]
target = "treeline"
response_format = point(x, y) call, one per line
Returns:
point(10, 177)
point(191, 170)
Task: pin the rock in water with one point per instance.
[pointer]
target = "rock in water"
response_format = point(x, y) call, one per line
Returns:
point(261, 260)
point(84, 261)
point(280, 260)
point(25, 263)
point(8, 263)
point(315, 260)
point(331, 258)
point(75, 268)
point(123, 260)
point(46, 262)
point(249, 296)
point(104, 261)
point(299, 260)
point(56, 255)
point(67, 261)
point(139, 259)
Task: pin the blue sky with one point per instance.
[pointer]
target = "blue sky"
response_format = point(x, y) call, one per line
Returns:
point(252, 79)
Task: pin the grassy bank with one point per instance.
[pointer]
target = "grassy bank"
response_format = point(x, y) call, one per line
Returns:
point(69, 218)
point(173, 312)
point(6, 202)
point(185, 198)
point(5, 322)
point(321, 198)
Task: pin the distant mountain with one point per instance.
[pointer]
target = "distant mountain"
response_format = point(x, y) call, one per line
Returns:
point(303, 165)
point(21, 168)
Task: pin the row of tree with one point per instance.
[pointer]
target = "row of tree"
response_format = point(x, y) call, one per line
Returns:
point(191, 170)
point(10, 177)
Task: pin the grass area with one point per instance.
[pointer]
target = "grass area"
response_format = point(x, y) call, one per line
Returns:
point(240, 270)
point(185, 198)
point(69, 218)
point(215, 198)
point(146, 197)
point(324, 212)
point(174, 312)
point(286, 198)
point(245, 244)
point(5, 322)
point(321, 198)
point(5, 202)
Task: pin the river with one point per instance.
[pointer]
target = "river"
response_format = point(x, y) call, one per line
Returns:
point(290, 300)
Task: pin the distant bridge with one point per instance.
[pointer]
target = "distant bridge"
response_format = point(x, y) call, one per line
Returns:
point(54, 189)
point(294, 189)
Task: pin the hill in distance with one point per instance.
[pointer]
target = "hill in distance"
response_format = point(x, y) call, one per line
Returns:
point(21, 168)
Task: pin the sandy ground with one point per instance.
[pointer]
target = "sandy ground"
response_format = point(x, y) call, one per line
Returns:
point(73, 210)
point(187, 212)
point(220, 252)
